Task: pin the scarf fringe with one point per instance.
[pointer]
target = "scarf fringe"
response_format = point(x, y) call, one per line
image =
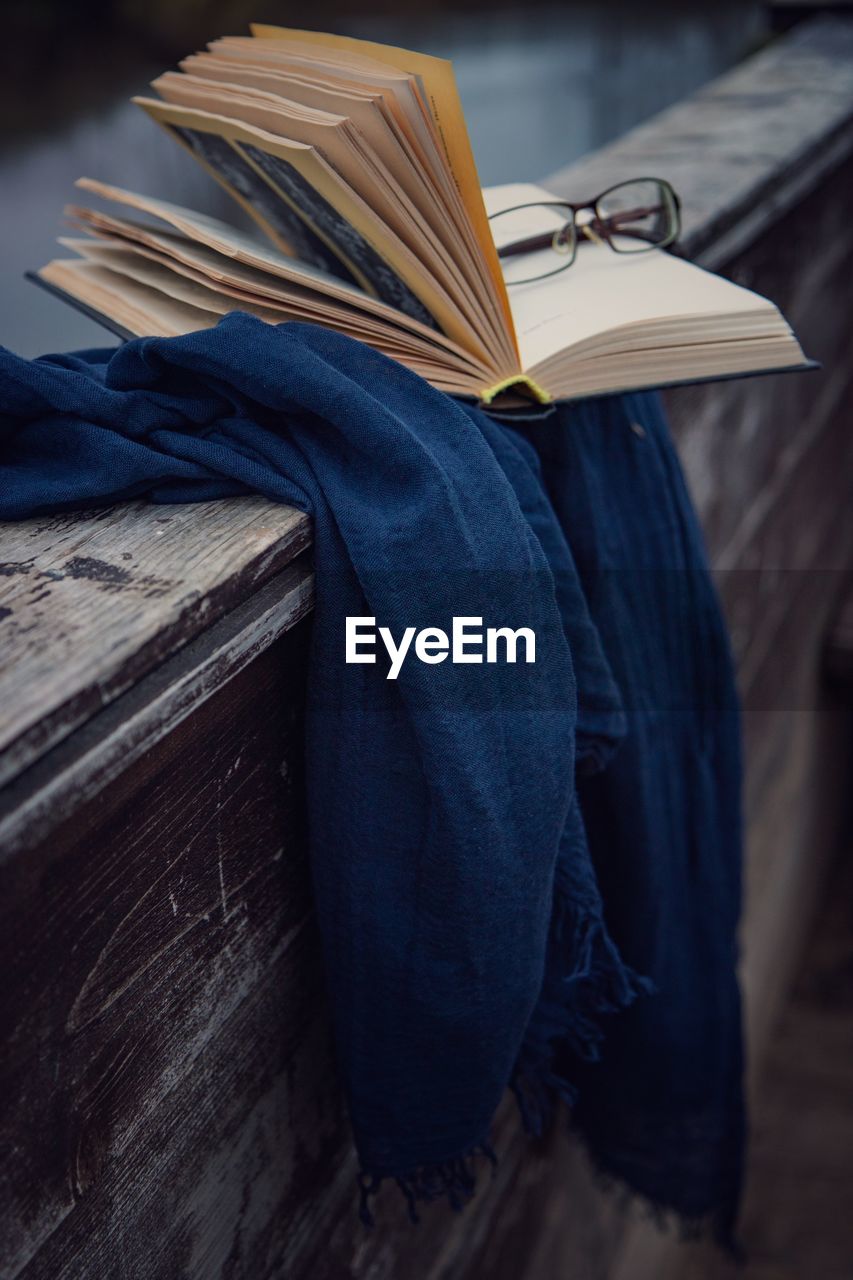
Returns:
point(717, 1224)
point(586, 981)
point(456, 1181)
point(453, 1180)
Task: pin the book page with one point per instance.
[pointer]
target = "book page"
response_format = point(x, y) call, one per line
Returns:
point(326, 65)
point(237, 288)
point(144, 312)
point(308, 77)
point(365, 108)
point(292, 180)
point(230, 256)
point(442, 99)
point(603, 292)
point(144, 307)
point(370, 172)
point(369, 110)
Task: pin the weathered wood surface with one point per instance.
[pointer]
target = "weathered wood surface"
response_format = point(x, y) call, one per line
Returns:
point(770, 465)
point(744, 149)
point(784, 14)
point(169, 1104)
point(169, 1098)
point(132, 725)
point(796, 1215)
point(160, 972)
point(90, 602)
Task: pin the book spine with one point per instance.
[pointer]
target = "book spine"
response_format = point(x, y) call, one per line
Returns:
point(520, 380)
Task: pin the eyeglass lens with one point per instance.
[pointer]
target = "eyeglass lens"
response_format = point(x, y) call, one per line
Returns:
point(534, 240)
point(637, 215)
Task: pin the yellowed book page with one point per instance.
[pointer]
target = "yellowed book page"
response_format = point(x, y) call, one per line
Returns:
point(363, 107)
point(195, 293)
point(400, 93)
point(143, 311)
point(370, 175)
point(616, 297)
point(201, 295)
point(202, 235)
point(380, 129)
point(668, 334)
point(136, 261)
point(442, 99)
point(201, 230)
point(332, 66)
point(294, 179)
point(684, 363)
point(146, 311)
point(264, 65)
point(404, 100)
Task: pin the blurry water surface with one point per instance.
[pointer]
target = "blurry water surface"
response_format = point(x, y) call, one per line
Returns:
point(540, 86)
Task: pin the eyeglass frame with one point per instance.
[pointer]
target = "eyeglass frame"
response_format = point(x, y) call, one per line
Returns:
point(545, 241)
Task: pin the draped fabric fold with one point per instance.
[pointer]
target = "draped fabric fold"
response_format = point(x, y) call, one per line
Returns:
point(525, 874)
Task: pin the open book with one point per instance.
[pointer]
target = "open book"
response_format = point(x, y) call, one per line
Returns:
point(353, 161)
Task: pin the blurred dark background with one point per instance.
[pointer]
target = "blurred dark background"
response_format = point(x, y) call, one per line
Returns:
point(541, 84)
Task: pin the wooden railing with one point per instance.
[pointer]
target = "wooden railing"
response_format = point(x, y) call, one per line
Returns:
point(169, 1105)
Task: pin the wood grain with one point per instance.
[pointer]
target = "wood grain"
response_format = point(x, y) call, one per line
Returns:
point(133, 723)
point(91, 601)
point(770, 466)
point(168, 1099)
point(143, 1043)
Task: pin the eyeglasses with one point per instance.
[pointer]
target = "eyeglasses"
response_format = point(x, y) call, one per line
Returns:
point(540, 239)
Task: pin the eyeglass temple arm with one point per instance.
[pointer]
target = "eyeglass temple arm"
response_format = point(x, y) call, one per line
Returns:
point(543, 241)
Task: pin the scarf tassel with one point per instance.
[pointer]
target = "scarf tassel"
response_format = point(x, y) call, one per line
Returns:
point(453, 1180)
point(585, 980)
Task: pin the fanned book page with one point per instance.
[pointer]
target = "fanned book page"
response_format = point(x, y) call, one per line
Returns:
point(353, 161)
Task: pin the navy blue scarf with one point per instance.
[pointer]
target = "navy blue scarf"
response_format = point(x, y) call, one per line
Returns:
point(499, 851)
